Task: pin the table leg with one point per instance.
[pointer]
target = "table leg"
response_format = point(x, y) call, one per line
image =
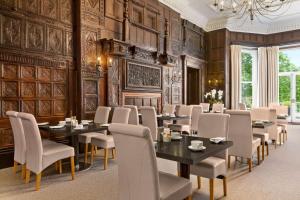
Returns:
point(75, 144)
point(185, 170)
point(160, 123)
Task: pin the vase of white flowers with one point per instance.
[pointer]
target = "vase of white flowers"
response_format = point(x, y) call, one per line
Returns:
point(214, 96)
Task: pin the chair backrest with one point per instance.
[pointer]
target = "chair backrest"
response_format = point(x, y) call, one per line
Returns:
point(19, 137)
point(272, 130)
point(168, 108)
point(242, 106)
point(34, 147)
point(262, 113)
point(184, 110)
point(120, 115)
point(196, 111)
point(205, 107)
point(240, 132)
point(134, 115)
point(281, 110)
point(137, 167)
point(218, 107)
point(214, 125)
point(273, 105)
point(102, 114)
point(149, 120)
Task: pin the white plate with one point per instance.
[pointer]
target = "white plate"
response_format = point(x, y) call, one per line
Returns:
point(77, 128)
point(43, 123)
point(105, 124)
point(159, 115)
point(217, 139)
point(200, 149)
point(176, 138)
point(57, 126)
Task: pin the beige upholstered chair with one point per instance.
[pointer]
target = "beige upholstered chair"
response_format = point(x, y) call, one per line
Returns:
point(240, 132)
point(168, 109)
point(134, 115)
point(218, 108)
point(19, 141)
point(242, 106)
point(137, 168)
point(196, 111)
point(274, 104)
point(101, 117)
point(205, 107)
point(39, 156)
point(265, 113)
point(149, 120)
point(183, 125)
point(120, 115)
point(282, 110)
point(212, 125)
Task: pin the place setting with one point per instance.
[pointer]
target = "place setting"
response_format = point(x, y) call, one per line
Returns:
point(196, 145)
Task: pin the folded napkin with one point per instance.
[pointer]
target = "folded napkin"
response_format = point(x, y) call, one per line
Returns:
point(217, 139)
point(105, 124)
point(57, 126)
point(43, 123)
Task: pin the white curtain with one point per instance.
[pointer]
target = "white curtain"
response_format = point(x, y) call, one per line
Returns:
point(273, 64)
point(262, 79)
point(236, 61)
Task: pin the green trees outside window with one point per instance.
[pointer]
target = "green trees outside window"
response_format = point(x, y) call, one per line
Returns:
point(246, 79)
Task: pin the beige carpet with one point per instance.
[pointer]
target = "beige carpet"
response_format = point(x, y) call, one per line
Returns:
point(277, 178)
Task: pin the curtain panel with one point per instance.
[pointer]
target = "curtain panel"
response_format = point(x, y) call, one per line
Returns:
point(273, 68)
point(236, 62)
point(262, 77)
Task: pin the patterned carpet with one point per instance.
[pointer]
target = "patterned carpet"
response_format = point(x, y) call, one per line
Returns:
point(277, 178)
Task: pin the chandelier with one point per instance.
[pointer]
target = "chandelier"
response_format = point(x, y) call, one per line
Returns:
point(251, 8)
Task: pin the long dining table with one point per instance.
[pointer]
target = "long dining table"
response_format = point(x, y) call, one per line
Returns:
point(178, 151)
point(70, 131)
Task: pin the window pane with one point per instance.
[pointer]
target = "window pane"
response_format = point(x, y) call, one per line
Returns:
point(298, 93)
point(284, 90)
point(246, 71)
point(288, 60)
point(247, 94)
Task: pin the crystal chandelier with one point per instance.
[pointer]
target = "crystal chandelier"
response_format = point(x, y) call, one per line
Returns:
point(251, 8)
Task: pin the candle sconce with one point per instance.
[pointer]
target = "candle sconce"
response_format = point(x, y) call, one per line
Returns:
point(99, 65)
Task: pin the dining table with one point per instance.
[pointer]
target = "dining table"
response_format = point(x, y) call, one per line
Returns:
point(73, 133)
point(174, 118)
point(177, 150)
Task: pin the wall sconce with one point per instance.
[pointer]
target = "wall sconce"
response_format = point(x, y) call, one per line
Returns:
point(110, 62)
point(98, 64)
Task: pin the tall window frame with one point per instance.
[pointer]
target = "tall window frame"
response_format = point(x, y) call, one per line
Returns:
point(254, 77)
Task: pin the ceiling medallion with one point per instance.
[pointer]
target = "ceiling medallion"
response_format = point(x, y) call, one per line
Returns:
point(254, 9)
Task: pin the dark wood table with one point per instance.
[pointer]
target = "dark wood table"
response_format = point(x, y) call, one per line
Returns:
point(178, 151)
point(161, 119)
point(282, 117)
point(69, 131)
point(262, 125)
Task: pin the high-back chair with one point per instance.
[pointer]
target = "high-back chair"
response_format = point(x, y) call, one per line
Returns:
point(274, 104)
point(149, 120)
point(106, 142)
point(282, 112)
point(205, 107)
point(240, 133)
point(38, 157)
point(101, 117)
point(260, 114)
point(169, 108)
point(183, 125)
point(142, 180)
point(196, 111)
point(134, 115)
point(218, 108)
point(212, 125)
point(242, 106)
point(274, 130)
point(19, 141)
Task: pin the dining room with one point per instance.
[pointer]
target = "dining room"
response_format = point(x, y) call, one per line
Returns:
point(149, 99)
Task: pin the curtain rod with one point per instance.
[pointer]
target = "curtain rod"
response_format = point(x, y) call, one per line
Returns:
point(292, 46)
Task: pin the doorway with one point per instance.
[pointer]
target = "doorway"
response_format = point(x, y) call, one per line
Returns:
point(193, 83)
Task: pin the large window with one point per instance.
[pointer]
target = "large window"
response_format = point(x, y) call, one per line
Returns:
point(248, 78)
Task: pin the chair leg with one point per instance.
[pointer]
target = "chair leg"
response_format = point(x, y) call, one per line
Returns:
point(113, 153)
point(15, 167)
point(199, 182)
point(105, 158)
point(92, 154)
point(72, 167)
point(189, 198)
point(27, 178)
point(258, 155)
point(228, 162)
point(86, 148)
point(23, 171)
point(250, 164)
point(59, 166)
point(280, 139)
point(267, 149)
point(263, 151)
point(38, 181)
point(286, 135)
point(225, 185)
point(275, 144)
point(211, 189)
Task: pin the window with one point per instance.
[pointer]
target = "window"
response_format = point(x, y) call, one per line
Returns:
point(248, 78)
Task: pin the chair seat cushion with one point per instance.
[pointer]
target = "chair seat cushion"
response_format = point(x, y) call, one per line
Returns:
point(210, 167)
point(172, 187)
point(86, 137)
point(180, 127)
point(46, 142)
point(264, 137)
point(54, 152)
point(103, 141)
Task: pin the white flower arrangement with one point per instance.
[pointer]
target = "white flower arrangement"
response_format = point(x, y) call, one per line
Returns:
point(214, 96)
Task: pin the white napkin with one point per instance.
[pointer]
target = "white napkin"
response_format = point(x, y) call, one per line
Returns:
point(43, 123)
point(217, 139)
point(57, 126)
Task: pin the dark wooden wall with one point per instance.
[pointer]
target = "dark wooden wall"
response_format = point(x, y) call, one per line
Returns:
point(49, 50)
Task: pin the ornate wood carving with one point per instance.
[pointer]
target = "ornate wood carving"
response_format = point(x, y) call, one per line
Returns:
point(34, 36)
point(140, 76)
point(28, 107)
point(28, 72)
point(28, 89)
point(10, 71)
point(11, 31)
point(44, 108)
point(54, 44)
point(44, 90)
point(49, 8)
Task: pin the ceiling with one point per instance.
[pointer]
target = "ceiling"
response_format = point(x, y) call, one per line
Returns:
point(202, 13)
